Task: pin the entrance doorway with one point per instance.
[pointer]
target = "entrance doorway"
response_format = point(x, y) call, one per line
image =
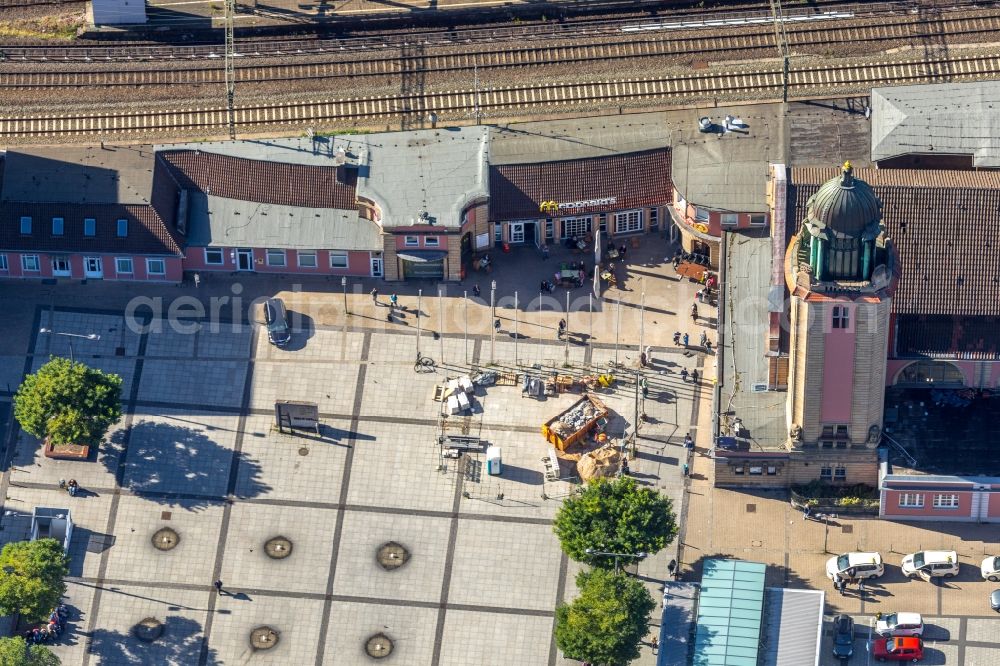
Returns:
point(93, 267)
point(244, 259)
point(377, 267)
point(516, 232)
point(60, 267)
point(531, 232)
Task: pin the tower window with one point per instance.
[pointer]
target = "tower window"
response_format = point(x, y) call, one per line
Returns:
point(841, 316)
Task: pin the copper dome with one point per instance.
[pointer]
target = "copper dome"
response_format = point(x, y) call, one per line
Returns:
point(844, 205)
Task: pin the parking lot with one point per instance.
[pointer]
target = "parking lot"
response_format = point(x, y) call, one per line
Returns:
point(197, 452)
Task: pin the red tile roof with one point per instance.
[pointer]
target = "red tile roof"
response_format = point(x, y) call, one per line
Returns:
point(261, 181)
point(634, 179)
point(946, 228)
point(148, 233)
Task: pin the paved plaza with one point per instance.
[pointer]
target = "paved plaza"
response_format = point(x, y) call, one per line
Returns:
point(197, 452)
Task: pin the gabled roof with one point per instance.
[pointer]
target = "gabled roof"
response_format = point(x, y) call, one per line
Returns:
point(947, 118)
point(150, 222)
point(633, 179)
point(946, 229)
point(264, 182)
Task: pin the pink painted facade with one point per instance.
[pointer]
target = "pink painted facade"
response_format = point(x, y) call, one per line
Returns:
point(838, 373)
point(714, 220)
point(943, 498)
point(93, 266)
point(327, 262)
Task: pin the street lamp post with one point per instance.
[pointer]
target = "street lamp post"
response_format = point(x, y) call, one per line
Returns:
point(493, 328)
point(441, 323)
point(420, 293)
point(515, 329)
point(343, 283)
point(88, 336)
point(465, 295)
point(601, 553)
point(618, 326)
point(566, 335)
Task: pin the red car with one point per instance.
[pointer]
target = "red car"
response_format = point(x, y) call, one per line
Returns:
point(898, 648)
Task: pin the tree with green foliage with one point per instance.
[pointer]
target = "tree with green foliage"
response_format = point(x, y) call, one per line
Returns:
point(16, 652)
point(615, 515)
point(70, 403)
point(31, 578)
point(606, 623)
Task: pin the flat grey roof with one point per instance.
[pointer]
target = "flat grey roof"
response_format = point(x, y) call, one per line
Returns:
point(67, 174)
point(946, 118)
point(794, 625)
point(748, 282)
point(437, 172)
point(317, 151)
point(577, 138)
point(232, 222)
point(677, 622)
point(727, 171)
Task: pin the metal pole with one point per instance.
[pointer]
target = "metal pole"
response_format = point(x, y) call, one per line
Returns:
point(515, 329)
point(72, 356)
point(343, 283)
point(441, 324)
point(493, 328)
point(590, 308)
point(419, 294)
point(465, 294)
point(566, 334)
point(618, 326)
point(635, 422)
point(642, 319)
point(540, 321)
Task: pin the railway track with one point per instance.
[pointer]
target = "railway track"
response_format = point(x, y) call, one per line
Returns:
point(762, 85)
point(547, 30)
point(758, 39)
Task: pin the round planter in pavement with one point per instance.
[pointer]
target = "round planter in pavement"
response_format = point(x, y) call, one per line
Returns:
point(379, 646)
point(264, 638)
point(278, 548)
point(391, 556)
point(165, 539)
point(148, 630)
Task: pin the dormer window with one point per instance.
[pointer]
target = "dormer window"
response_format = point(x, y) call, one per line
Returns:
point(57, 226)
point(90, 227)
point(122, 228)
point(26, 226)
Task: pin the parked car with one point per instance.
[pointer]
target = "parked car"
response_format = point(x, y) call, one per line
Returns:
point(276, 319)
point(900, 624)
point(991, 568)
point(931, 564)
point(855, 565)
point(898, 648)
point(995, 600)
point(843, 637)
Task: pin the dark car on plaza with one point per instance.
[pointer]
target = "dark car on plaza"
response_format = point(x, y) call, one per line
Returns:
point(843, 637)
point(276, 319)
point(995, 600)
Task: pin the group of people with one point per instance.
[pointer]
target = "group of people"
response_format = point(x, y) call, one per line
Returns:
point(684, 338)
point(50, 630)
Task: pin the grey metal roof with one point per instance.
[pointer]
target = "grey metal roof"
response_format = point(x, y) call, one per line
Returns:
point(940, 478)
point(730, 612)
point(317, 151)
point(65, 174)
point(231, 222)
point(577, 138)
point(434, 172)
point(794, 627)
point(946, 118)
point(727, 172)
point(678, 618)
point(747, 281)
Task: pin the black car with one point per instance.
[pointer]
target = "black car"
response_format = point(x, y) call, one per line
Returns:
point(995, 600)
point(843, 637)
point(278, 331)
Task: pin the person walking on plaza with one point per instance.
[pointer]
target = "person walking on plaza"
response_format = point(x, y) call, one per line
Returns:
point(686, 338)
point(677, 337)
point(393, 302)
point(562, 328)
point(684, 374)
point(496, 325)
point(694, 312)
point(476, 291)
point(375, 296)
point(694, 375)
point(218, 586)
point(704, 339)
point(621, 253)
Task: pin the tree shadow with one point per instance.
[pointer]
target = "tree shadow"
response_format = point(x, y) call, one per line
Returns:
point(180, 466)
point(180, 645)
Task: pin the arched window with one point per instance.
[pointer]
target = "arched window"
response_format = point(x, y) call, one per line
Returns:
point(930, 373)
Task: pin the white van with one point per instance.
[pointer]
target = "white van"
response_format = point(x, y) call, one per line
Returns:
point(854, 565)
point(931, 564)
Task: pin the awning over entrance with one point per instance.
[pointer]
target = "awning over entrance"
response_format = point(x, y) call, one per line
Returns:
point(421, 256)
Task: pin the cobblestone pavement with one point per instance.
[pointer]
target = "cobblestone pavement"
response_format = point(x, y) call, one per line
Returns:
point(197, 452)
point(763, 527)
